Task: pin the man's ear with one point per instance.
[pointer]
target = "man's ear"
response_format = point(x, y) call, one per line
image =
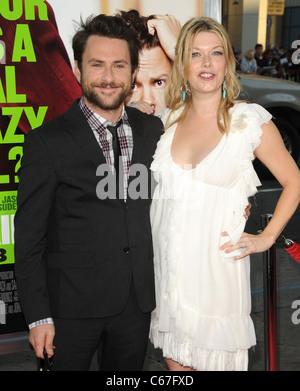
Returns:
point(133, 76)
point(77, 72)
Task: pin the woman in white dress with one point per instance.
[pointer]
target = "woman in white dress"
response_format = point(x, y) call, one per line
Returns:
point(203, 166)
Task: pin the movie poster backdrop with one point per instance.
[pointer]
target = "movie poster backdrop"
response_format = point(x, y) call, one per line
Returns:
point(36, 84)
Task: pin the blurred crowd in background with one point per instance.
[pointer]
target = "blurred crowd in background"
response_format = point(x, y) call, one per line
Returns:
point(274, 61)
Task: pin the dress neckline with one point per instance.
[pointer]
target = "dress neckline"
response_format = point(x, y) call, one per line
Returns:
point(202, 160)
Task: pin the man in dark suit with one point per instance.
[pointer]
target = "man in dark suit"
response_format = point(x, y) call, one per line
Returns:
point(84, 259)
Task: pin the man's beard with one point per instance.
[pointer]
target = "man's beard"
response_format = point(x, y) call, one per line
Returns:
point(106, 102)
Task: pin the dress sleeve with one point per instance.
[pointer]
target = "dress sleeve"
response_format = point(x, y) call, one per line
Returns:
point(247, 121)
point(257, 116)
point(163, 115)
point(162, 151)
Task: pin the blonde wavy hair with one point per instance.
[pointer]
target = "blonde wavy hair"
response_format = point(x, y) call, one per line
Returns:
point(181, 66)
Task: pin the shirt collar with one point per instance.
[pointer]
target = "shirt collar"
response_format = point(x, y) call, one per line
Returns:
point(91, 114)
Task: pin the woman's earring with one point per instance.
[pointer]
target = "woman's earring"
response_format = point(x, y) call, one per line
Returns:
point(183, 93)
point(224, 89)
point(185, 90)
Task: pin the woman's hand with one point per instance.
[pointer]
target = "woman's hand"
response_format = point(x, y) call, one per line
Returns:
point(168, 29)
point(249, 244)
point(143, 106)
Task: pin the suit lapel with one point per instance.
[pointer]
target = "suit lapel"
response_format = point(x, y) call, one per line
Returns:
point(141, 153)
point(82, 133)
point(78, 127)
point(80, 130)
point(136, 124)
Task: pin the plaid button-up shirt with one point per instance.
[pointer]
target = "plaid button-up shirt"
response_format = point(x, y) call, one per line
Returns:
point(104, 138)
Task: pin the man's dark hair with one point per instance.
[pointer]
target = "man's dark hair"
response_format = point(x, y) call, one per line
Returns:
point(106, 26)
point(139, 24)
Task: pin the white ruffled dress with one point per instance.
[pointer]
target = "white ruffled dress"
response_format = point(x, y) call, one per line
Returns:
point(202, 319)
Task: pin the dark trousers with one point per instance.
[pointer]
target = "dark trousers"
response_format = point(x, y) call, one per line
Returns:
point(120, 341)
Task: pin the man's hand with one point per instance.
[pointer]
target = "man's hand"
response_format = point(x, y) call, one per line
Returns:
point(247, 211)
point(168, 29)
point(42, 337)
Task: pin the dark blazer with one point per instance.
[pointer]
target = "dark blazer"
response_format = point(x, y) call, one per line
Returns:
point(76, 255)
